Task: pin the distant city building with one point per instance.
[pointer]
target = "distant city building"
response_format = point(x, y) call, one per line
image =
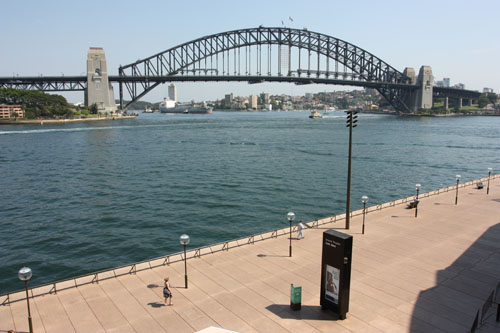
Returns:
point(264, 97)
point(243, 102)
point(172, 92)
point(308, 95)
point(11, 111)
point(459, 86)
point(487, 90)
point(252, 102)
point(228, 99)
point(268, 107)
point(444, 83)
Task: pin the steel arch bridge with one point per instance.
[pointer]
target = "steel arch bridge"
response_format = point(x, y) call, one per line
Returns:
point(267, 54)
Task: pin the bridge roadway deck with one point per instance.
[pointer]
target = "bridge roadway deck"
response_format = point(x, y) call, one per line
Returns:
point(426, 274)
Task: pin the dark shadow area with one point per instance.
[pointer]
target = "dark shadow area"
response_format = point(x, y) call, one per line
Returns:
point(308, 312)
point(462, 288)
point(399, 216)
point(153, 285)
point(156, 304)
point(270, 255)
point(178, 287)
point(444, 204)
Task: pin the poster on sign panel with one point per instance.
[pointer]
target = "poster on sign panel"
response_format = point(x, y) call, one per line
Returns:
point(332, 284)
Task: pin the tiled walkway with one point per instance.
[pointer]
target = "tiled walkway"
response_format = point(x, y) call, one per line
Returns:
point(425, 274)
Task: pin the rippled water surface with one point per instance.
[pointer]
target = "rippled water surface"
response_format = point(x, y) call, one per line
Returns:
point(78, 198)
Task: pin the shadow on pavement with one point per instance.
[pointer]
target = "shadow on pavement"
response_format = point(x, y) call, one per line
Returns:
point(156, 304)
point(462, 289)
point(261, 255)
point(308, 312)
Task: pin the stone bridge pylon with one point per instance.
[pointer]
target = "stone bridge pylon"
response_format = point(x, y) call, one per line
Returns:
point(99, 89)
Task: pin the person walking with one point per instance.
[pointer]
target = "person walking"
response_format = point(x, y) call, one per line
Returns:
point(300, 229)
point(167, 293)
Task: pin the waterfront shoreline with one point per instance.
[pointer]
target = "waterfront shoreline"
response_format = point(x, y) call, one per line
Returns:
point(212, 249)
point(60, 121)
point(410, 262)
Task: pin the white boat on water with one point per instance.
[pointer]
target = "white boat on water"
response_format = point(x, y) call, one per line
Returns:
point(148, 110)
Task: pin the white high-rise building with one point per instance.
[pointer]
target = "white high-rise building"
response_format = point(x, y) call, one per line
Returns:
point(172, 92)
point(252, 102)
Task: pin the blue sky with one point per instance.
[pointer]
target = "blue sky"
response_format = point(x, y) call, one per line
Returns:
point(459, 39)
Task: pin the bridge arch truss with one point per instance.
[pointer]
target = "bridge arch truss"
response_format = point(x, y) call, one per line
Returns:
point(267, 54)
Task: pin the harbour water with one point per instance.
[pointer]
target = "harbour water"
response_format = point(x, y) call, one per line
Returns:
point(83, 197)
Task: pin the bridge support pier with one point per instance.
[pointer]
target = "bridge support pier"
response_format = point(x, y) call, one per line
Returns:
point(425, 82)
point(411, 97)
point(422, 97)
point(460, 102)
point(446, 103)
point(99, 90)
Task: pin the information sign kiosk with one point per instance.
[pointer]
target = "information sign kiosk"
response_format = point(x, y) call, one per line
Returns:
point(336, 272)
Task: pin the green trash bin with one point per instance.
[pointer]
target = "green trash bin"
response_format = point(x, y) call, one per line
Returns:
point(295, 297)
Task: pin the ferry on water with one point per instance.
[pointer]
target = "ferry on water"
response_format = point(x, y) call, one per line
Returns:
point(315, 114)
point(165, 107)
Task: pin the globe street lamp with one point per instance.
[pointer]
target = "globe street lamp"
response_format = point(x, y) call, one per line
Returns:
point(417, 186)
point(25, 274)
point(291, 217)
point(184, 240)
point(456, 194)
point(364, 199)
point(489, 174)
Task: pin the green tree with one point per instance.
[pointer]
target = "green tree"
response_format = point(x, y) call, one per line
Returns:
point(93, 108)
point(492, 98)
point(36, 103)
point(483, 101)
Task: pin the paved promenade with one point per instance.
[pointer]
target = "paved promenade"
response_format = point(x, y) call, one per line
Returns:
point(426, 274)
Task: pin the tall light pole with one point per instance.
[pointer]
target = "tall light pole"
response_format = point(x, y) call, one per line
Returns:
point(291, 217)
point(489, 174)
point(184, 240)
point(351, 123)
point(364, 199)
point(417, 186)
point(456, 194)
point(25, 274)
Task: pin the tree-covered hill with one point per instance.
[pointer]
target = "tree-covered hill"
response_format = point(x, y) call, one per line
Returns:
point(37, 104)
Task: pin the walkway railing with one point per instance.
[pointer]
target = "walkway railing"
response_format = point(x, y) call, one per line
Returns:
point(96, 277)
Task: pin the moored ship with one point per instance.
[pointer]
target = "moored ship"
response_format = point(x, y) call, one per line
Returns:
point(184, 108)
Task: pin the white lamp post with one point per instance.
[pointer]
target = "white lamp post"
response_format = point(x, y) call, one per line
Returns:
point(25, 274)
point(364, 199)
point(417, 187)
point(291, 217)
point(184, 240)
